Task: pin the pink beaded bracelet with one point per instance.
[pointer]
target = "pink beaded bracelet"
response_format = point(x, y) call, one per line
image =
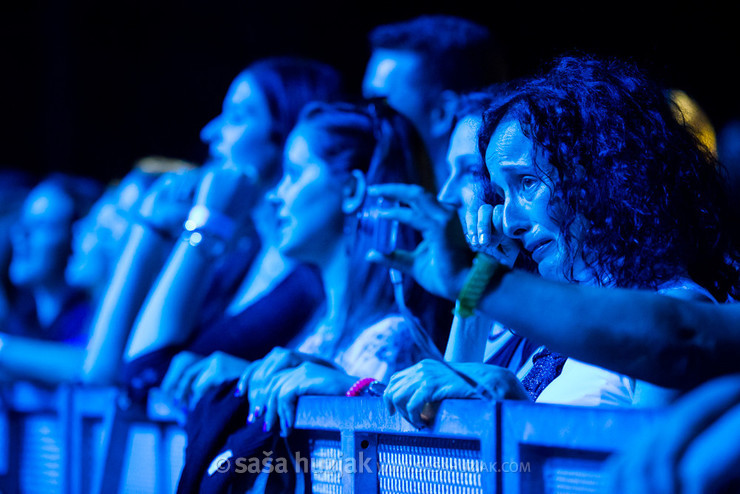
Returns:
point(361, 384)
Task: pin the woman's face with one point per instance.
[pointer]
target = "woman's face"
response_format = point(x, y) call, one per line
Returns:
point(41, 238)
point(526, 189)
point(309, 202)
point(97, 237)
point(242, 135)
point(461, 190)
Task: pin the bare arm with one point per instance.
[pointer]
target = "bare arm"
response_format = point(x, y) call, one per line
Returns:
point(177, 295)
point(149, 242)
point(140, 261)
point(657, 338)
point(467, 340)
point(33, 359)
point(169, 312)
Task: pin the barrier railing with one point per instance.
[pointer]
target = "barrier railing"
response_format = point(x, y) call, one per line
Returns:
point(81, 440)
point(472, 447)
point(74, 440)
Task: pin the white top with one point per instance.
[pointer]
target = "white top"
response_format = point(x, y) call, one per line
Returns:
point(588, 385)
point(381, 349)
point(499, 337)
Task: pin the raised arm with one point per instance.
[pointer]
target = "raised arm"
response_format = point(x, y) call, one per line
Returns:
point(168, 314)
point(148, 244)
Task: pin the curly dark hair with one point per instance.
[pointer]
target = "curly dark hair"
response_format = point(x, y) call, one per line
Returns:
point(651, 194)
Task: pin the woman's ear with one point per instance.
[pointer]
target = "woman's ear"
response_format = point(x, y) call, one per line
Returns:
point(354, 192)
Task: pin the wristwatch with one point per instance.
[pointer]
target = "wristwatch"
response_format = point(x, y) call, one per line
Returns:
point(210, 231)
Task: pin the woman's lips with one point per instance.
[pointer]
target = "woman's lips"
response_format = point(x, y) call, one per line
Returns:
point(540, 251)
point(284, 223)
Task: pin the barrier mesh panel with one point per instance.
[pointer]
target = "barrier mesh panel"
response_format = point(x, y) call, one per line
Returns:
point(570, 475)
point(557, 470)
point(409, 464)
point(41, 456)
point(326, 465)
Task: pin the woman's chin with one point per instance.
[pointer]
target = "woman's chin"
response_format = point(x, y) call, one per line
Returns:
point(284, 247)
point(550, 270)
point(290, 250)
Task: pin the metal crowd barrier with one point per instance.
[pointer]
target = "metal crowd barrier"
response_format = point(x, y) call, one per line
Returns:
point(73, 440)
point(504, 447)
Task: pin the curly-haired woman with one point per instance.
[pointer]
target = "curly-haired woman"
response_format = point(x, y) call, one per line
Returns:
point(632, 197)
point(595, 178)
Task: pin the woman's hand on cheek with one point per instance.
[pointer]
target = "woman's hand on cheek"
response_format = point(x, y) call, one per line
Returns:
point(307, 379)
point(489, 234)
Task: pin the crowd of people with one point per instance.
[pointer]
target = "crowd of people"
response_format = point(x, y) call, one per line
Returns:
point(565, 237)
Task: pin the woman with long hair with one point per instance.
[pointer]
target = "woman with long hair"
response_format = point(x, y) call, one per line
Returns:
point(370, 324)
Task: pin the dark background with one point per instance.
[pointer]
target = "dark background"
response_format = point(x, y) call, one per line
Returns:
point(89, 87)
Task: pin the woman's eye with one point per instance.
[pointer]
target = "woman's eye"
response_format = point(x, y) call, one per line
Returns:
point(290, 174)
point(529, 182)
point(237, 116)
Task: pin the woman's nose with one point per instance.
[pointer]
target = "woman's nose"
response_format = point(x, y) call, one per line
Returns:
point(274, 196)
point(450, 194)
point(514, 219)
point(209, 132)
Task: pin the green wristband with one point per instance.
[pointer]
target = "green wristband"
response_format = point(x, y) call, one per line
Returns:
point(486, 270)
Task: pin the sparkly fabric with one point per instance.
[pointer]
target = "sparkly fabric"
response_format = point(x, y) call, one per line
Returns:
point(546, 366)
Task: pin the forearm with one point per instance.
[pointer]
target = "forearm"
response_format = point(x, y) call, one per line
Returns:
point(638, 333)
point(174, 302)
point(39, 360)
point(467, 340)
point(134, 274)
